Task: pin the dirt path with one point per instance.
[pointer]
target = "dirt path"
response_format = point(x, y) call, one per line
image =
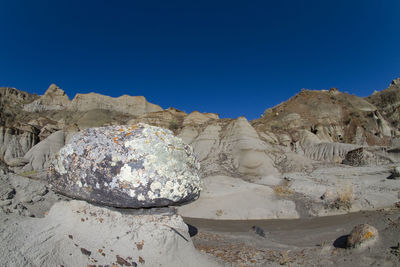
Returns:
point(299, 242)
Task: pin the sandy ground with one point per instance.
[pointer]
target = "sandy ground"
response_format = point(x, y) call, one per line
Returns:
point(234, 223)
point(41, 228)
point(297, 195)
point(226, 197)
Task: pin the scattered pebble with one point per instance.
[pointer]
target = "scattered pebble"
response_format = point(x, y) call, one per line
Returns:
point(85, 252)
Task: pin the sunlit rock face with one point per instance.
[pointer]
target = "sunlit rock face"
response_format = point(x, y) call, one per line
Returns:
point(127, 166)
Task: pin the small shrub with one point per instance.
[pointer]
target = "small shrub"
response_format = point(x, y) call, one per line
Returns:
point(283, 189)
point(219, 212)
point(173, 125)
point(345, 197)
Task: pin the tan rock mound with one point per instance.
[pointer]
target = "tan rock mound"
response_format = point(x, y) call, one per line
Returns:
point(54, 99)
point(330, 115)
point(134, 105)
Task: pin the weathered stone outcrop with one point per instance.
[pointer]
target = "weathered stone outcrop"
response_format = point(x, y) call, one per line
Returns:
point(330, 115)
point(54, 99)
point(39, 156)
point(363, 156)
point(11, 103)
point(388, 103)
point(134, 105)
point(230, 147)
point(127, 166)
point(15, 142)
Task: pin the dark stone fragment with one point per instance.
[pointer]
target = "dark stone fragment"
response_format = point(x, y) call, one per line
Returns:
point(122, 261)
point(85, 252)
point(11, 194)
point(259, 231)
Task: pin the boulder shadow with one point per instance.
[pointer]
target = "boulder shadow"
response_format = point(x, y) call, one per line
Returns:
point(341, 242)
point(192, 230)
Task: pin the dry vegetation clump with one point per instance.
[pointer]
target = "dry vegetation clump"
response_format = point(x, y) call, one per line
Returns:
point(173, 125)
point(344, 197)
point(283, 189)
point(219, 212)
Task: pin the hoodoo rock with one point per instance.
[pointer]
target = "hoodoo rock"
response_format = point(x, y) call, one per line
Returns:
point(127, 166)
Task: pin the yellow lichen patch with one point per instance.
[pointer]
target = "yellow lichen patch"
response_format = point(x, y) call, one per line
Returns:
point(128, 134)
point(115, 139)
point(133, 127)
point(368, 235)
point(121, 130)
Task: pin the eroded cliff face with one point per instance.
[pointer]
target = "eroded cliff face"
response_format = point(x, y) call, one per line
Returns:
point(331, 116)
point(311, 126)
point(388, 103)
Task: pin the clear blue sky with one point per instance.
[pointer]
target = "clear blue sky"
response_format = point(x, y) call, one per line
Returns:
point(229, 57)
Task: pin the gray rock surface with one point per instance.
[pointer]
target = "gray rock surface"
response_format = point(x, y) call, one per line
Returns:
point(76, 233)
point(15, 142)
point(127, 166)
point(39, 156)
point(396, 172)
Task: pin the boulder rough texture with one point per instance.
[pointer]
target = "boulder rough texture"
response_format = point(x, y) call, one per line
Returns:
point(127, 166)
point(365, 156)
point(362, 235)
point(396, 173)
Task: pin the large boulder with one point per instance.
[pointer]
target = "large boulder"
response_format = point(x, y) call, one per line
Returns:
point(127, 166)
point(365, 156)
point(361, 236)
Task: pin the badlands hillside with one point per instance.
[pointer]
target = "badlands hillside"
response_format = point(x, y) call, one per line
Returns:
point(321, 153)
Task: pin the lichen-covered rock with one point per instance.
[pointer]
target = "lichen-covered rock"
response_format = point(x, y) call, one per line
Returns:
point(362, 235)
point(127, 166)
point(396, 173)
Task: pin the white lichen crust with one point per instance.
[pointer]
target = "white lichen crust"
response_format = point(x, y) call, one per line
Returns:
point(127, 166)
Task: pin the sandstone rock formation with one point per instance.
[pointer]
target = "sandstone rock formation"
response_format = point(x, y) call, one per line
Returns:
point(311, 126)
point(133, 105)
point(39, 156)
point(15, 142)
point(367, 156)
point(127, 166)
point(53, 99)
point(11, 102)
point(329, 115)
